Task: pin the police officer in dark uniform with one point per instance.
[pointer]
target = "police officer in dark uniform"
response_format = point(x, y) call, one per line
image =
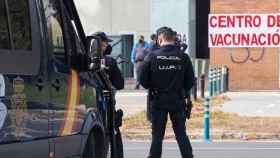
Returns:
point(111, 67)
point(168, 74)
point(110, 64)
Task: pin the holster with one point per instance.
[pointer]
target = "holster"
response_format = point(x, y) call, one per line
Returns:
point(166, 100)
point(118, 118)
point(188, 107)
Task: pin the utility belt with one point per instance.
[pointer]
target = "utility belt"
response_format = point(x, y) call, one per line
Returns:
point(166, 100)
point(155, 94)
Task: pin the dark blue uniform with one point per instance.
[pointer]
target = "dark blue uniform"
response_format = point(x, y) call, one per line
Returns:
point(117, 81)
point(168, 73)
point(114, 73)
point(112, 68)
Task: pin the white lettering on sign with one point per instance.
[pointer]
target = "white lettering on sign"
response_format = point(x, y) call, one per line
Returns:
point(2, 86)
point(244, 30)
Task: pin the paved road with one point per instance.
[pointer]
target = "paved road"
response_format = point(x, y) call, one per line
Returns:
point(263, 104)
point(210, 150)
point(131, 102)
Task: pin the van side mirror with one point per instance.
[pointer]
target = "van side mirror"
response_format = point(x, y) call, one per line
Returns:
point(94, 53)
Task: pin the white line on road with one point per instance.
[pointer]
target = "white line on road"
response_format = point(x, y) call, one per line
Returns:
point(207, 149)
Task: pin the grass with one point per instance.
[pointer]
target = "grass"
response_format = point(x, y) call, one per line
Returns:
point(223, 125)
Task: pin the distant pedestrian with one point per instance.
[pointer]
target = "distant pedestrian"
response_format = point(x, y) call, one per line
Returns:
point(153, 42)
point(137, 56)
point(152, 46)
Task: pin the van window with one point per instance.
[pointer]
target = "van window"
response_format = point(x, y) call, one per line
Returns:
point(55, 32)
point(20, 37)
point(20, 24)
point(15, 22)
point(4, 34)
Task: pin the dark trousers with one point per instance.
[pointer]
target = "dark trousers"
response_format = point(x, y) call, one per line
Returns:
point(159, 120)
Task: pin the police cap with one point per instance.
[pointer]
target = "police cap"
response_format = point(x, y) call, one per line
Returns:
point(102, 36)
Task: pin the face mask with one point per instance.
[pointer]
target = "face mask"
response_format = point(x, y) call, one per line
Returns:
point(108, 50)
point(141, 41)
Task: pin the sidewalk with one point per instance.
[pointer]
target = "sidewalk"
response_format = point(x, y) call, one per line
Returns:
point(131, 101)
point(253, 104)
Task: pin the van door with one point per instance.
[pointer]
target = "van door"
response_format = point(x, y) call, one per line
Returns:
point(24, 91)
point(66, 119)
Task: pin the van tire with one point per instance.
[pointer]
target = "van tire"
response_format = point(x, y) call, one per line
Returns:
point(91, 149)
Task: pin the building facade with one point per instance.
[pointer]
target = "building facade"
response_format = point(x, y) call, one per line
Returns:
point(249, 69)
point(252, 68)
point(115, 17)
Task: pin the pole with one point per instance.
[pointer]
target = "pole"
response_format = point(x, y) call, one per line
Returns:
point(210, 85)
point(195, 90)
point(215, 81)
point(207, 120)
point(202, 86)
point(224, 80)
point(219, 77)
point(227, 78)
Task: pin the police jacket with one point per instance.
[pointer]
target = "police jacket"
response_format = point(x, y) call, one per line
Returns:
point(114, 73)
point(165, 67)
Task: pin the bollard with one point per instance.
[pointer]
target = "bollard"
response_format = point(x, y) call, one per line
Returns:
point(224, 72)
point(219, 78)
point(207, 120)
point(194, 90)
point(215, 82)
point(227, 79)
point(202, 86)
point(210, 85)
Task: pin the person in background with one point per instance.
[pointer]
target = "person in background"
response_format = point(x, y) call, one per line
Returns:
point(152, 46)
point(137, 55)
point(153, 43)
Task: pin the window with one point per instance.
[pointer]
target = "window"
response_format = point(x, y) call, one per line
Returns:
point(55, 32)
point(20, 24)
point(4, 33)
point(18, 29)
point(19, 37)
point(64, 40)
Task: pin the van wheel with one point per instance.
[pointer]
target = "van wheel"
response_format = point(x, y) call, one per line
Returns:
point(92, 150)
point(89, 151)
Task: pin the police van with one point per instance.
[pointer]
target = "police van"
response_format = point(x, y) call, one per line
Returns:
point(53, 95)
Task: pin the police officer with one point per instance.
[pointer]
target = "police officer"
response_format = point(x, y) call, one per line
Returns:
point(111, 65)
point(168, 74)
point(117, 81)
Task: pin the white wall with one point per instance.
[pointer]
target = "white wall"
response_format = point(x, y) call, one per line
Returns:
point(115, 16)
point(179, 15)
